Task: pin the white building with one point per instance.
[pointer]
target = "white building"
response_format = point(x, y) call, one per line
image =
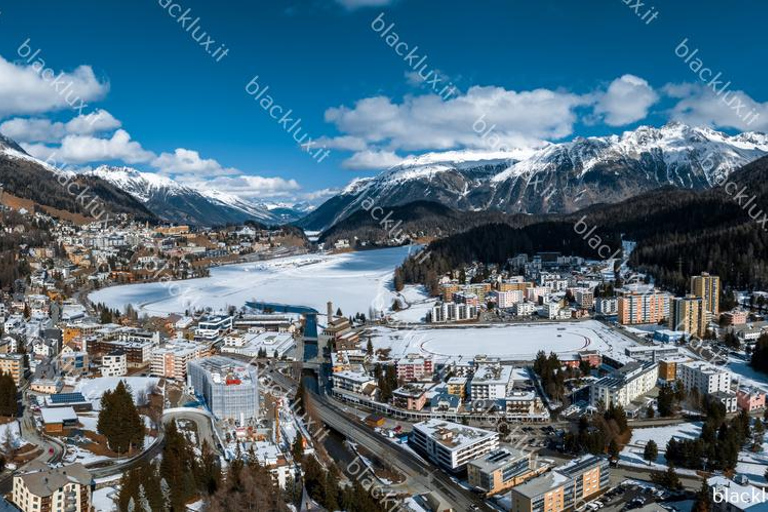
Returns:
point(114, 364)
point(705, 377)
point(507, 299)
point(62, 489)
point(624, 385)
point(451, 445)
point(524, 309)
point(355, 382)
point(491, 382)
point(607, 305)
point(452, 312)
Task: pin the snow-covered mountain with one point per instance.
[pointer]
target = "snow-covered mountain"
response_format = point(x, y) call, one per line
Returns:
point(184, 204)
point(56, 190)
point(561, 177)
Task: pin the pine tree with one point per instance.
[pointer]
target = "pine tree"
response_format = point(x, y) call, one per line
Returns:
point(651, 451)
point(119, 420)
point(703, 502)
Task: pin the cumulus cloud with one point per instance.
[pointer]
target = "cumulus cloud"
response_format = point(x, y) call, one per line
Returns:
point(427, 122)
point(30, 89)
point(372, 160)
point(44, 130)
point(252, 187)
point(626, 101)
point(187, 161)
point(698, 105)
point(81, 149)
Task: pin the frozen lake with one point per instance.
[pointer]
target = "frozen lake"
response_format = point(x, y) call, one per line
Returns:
point(354, 281)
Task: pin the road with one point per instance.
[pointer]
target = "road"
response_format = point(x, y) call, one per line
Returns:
point(400, 458)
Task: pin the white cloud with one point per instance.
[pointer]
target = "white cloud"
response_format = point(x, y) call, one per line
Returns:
point(81, 149)
point(187, 161)
point(95, 122)
point(698, 105)
point(626, 101)
point(45, 130)
point(318, 195)
point(372, 160)
point(344, 142)
point(516, 119)
point(30, 89)
point(252, 187)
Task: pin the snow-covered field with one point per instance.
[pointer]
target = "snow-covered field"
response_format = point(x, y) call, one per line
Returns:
point(633, 452)
point(93, 389)
point(746, 375)
point(511, 342)
point(355, 282)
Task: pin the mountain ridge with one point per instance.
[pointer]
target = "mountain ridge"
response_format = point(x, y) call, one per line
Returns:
point(558, 178)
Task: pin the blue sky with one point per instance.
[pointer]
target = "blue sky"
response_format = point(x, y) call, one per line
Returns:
point(539, 71)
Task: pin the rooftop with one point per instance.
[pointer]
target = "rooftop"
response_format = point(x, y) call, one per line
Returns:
point(44, 481)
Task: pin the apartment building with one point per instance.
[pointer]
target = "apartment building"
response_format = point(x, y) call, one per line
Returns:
point(643, 308)
point(687, 314)
point(577, 481)
point(355, 382)
point(413, 367)
point(114, 364)
point(43, 489)
point(491, 382)
point(524, 405)
point(499, 470)
point(452, 312)
point(607, 305)
point(625, 384)
point(734, 317)
point(507, 299)
point(412, 397)
point(213, 327)
point(170, 360)
point(707, 287)
point(668, 367)
point(705, 377)
point(452, 445)
point(12, 364)
point(750, 399)
point(584, 298)
point(457, 386)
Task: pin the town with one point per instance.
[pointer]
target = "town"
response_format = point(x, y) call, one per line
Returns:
point(548, 383)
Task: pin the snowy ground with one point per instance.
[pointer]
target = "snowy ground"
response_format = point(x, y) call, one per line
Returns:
point(511, 342)
point(633, 452)
point(103, 499)
point(746, 375)
point(93, 389)
point(750, 464)
point(355, 282)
